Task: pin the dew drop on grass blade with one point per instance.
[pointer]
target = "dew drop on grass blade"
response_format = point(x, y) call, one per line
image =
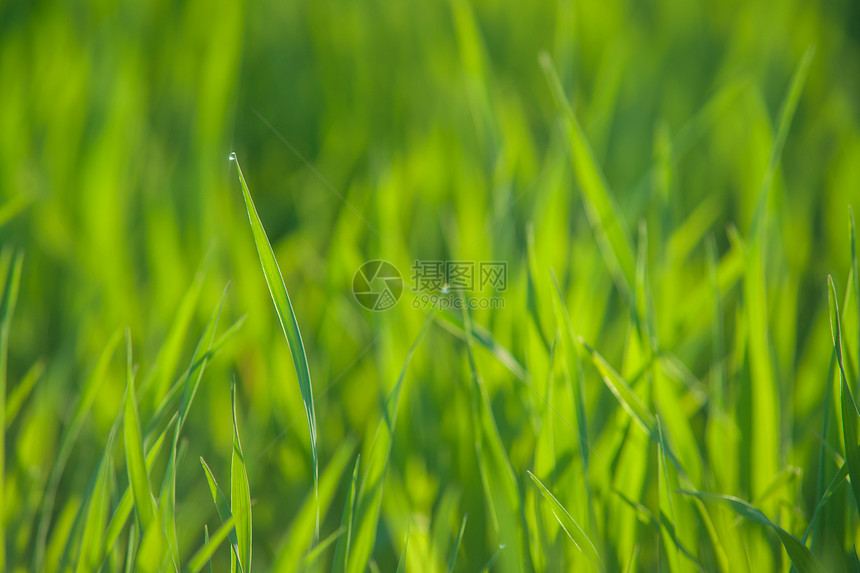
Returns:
point(284, 308)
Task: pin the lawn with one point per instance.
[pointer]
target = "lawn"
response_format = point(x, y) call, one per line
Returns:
point(429, 286)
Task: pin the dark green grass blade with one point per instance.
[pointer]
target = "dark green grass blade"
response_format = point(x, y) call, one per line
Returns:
point(205, 553)
point(800, 555)
point(570, 526)
point(240, 492)
point(286, 316)
point(7, 309)
point(341, 552)
point(849, 407)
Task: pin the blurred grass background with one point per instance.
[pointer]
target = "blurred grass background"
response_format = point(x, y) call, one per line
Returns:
point(436, 123)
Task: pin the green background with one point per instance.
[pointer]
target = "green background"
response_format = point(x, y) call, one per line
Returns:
point(429, 130)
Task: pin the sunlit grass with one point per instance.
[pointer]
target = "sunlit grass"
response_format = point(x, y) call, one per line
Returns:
point(670, 384)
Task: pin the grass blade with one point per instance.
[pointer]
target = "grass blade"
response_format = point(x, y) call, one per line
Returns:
point(370, 493)
point(457, 542)
point(205, 553)
point(341, 552)
point(138, 477)
point(240, 492)
point(849, 407)
point(573, 530)
point(284, 308)
point(800, 555)
point(222, 506)
point(7, 309)
point(401, 564)
point(302, 530)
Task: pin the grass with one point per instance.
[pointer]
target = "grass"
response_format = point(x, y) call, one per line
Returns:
point(670, 385)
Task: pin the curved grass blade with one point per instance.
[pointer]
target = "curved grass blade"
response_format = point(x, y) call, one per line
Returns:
point(573, 530)
point(341, 552)
point(284, 308)
point(800, 555)
point(850, 414)
point(205, 553)
point(240, 493)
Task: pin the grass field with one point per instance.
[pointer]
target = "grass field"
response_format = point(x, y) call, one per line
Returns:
point(661, 376)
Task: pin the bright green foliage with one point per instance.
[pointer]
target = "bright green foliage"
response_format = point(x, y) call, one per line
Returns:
point(666, 381)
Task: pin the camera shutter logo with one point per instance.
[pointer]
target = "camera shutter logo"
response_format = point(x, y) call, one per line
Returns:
point(377, 285)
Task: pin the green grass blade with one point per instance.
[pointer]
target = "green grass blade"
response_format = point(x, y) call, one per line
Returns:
point(314, 554)
point(204, 554)
point(603, 213)
point(80, 412)
point(303, 528)
point(501, 489)
point(286, 316)
point(800, 555)
point(126, 504)
point(454, 552)
point(570, 526)
point(22, 391)
point(370, 493)
point(625, 395)
point(222, 506)
point(401, 564)
point(786, 114)
point(341, 552)
point(138, 476)
point(167, 496)
point(97, 512)
point(240, 492)
point(850, 414)
point(7, 309)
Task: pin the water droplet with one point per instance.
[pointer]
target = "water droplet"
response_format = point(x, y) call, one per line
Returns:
point(232, 156)
point(446, 289)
